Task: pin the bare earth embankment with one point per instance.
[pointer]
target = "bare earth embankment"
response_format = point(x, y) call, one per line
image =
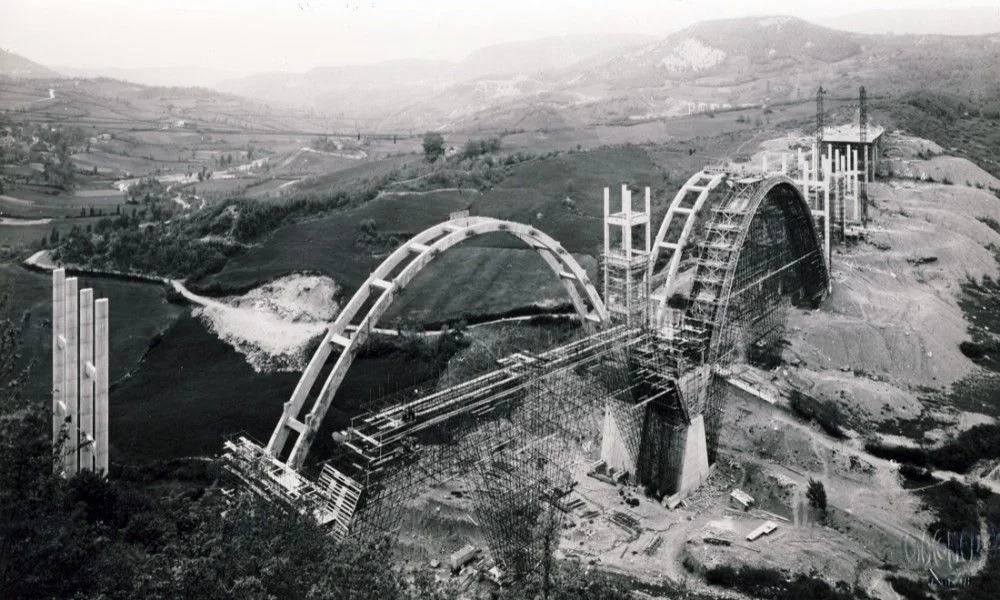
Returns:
point(273, 324)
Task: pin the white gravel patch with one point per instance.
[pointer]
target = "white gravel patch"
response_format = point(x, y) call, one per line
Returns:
point(271, 325)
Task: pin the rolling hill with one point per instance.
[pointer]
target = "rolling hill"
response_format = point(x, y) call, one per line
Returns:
point(15, 65)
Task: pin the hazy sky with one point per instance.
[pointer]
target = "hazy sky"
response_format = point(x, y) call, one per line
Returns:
point(256, 35)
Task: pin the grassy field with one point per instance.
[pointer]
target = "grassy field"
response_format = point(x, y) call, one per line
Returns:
point(481, 280)
point(22, 236)
point(34, 202)
point(326, 245)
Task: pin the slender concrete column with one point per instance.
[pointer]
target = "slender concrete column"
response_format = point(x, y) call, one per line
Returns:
point(607, 237)
point(72, 371)
point(87, 375)
point(59, 404)
point(854, 186)
point(649, 222)
point(826, 220)
point(784, 164)
point(627, 248)
point(815, 163)
point(101, 361)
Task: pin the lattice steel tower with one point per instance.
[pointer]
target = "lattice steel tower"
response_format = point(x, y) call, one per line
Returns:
point(819, 116)
point(863, 127)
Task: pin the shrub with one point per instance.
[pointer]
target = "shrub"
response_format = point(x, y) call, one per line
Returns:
point(909, 589)
point(758, 582)
point(972, 350)
point(824, 413)
point(433, 146)
point(977, 443)
point(902, 454)
point(916, 475)
point(817, 495)
point(956, 513)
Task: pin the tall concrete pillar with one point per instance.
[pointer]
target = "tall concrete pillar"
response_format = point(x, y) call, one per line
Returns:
point(79, 376)
point(621, 435)
point(60, 406)
point(87, 375)
point(826, 219)
point(72, 370)
point(607, 237)
point(101, 362)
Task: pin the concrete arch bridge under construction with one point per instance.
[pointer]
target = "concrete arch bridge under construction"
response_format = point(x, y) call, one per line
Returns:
point(642, 384)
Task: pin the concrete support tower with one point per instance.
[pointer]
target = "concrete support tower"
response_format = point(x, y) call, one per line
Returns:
point(626, 288)
point(79, 376)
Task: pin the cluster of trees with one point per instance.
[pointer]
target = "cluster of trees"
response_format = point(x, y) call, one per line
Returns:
point(122, 245)
point(816, 494)
point(762, 582)
point(369, 238)
point(93, 537)
point(146, 191)
point(981, 442)
point(958, 509)
point(474, 148)
point(325, 144)
point(949, 108)
point(966, 126)
point(434, 147)
point(51, 146)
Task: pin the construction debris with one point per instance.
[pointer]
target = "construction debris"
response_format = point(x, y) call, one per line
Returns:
point(766, 529)
point(741, 499)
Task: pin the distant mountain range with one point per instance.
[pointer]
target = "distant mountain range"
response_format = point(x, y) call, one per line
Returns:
point(581, 80)
point(936, 21)
point(375, 88)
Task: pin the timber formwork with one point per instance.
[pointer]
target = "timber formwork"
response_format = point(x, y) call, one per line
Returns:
point(761, 251)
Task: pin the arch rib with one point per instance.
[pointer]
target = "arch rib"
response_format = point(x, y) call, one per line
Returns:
point(701, 185)
point(419, 251)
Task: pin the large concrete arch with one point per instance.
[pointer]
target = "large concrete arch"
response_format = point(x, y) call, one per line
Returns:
point(728, 271)
point(374, 297)
point(746, 205)
point(758, 247)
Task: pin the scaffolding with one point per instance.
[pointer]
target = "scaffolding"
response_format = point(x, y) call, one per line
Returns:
point(626, 287)
point(762, 255)
point(516, 432)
